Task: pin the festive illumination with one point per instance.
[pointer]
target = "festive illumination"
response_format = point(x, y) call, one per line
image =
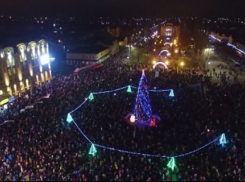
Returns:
point(137, 153)
point(182, 63)
point(171, 94)
point(69, 118)
point(168, 43)
point(160, 63)
point(132, 118)
point(222, 140)
point(91, 97)
point(142, 108)
point(44, 59)
point(163, 51)
point(171, 164)
point(153, 122)
point(92, 150)
point(129, 90)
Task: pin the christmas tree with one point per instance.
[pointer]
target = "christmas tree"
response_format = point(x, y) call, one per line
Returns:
point(69, 118)
point(129, 90)
point(143, 112)
point(91, 96)
point(92, 150)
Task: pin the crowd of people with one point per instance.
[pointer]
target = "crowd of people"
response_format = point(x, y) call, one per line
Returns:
point(41, 146)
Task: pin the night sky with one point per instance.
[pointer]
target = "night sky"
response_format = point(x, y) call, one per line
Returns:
point(124, 8)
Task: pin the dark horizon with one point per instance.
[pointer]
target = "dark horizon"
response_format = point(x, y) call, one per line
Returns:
point(123, 8)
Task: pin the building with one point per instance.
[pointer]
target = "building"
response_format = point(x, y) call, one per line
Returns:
point(123, 41)
point(86, 55)
point(23, 66)
point(169, 31)
point(222, 37)
point(113, 46)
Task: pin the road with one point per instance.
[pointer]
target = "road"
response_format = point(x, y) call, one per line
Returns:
point(214, 62)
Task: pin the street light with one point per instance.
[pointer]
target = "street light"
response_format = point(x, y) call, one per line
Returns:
point(182, 63)
point(154, 62)
point(176, 51)
point(167, 62)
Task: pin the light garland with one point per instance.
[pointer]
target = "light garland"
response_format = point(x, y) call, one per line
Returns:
point(69, 118)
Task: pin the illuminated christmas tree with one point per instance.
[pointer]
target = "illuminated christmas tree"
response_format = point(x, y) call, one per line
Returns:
point(142, 109)
point(222, 140)
point(92, 150)
point(171, 94)
point(91, 97)
point(129, 90)
point(69, 118)
point(172, 164)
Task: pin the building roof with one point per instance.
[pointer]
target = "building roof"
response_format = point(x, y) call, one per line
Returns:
point(14, 41)
point(88, 49)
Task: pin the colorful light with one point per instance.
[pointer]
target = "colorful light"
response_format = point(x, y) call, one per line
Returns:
point(129, 90)
point(137, 153)
point(132, 118)
point(142, 109)
point(171, 94)
point(69, 118)
point(161, 63)
point(222, 140)
point(171, 164)
point(163, 51)
point(92, 150)
point(91, 97)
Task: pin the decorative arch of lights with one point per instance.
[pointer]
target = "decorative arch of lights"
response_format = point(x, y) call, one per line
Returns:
point(218, 138)
point(160, 63)
point(168, 43)
point(163, 51)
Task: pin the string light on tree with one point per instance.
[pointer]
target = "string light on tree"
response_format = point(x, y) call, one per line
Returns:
point(69, 118)
point(143, 112)
point(92, 150)
point(171, 164)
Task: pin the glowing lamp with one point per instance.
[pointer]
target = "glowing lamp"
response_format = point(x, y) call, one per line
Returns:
point(182, 63)
point(44, 59)
point(154, 62)
point(132, 118)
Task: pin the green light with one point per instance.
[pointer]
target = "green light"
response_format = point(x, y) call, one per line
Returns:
point(91, 97)
point(171, 94)
point(92, 150)
point(69, 118)
point(172, 164)
point(222, 140)
point(129, 90)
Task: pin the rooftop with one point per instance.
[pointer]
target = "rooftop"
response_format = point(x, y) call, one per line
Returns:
point(88, 49)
